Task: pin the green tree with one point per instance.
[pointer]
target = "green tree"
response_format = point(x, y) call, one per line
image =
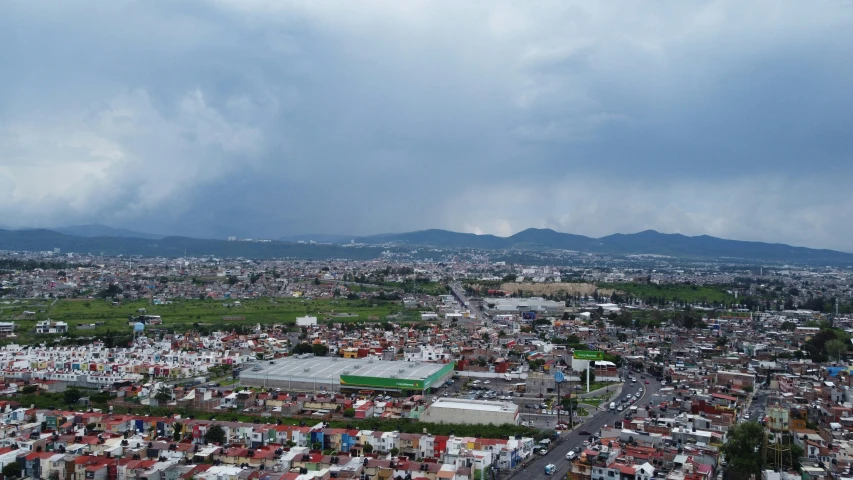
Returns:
point(742, 450)
point(28, 389)
point(835, 348)
point(591, 376)
point(215, 434)
point(71, 396)
point(319, 350)
point(12, 470)
point(177, 428)
point(164, 394)
point(394, 451)
point(302, 348)
point(368, 448)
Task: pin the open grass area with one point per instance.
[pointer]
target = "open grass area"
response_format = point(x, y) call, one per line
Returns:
point(654, 294)
point(183, 315)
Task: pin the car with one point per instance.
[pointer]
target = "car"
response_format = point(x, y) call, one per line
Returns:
point(746, 417)
point(571, 455)
point(550, 468)
point(586, 443)
point(647, 382)
point(584, 433)
point(487, 382)
point(476, 382)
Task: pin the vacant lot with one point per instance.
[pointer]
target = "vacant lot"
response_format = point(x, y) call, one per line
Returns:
point(651, 293)
point(181, 315)
point(559, 289)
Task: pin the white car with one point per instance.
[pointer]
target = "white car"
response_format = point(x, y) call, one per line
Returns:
point(476, 382)
point(487, 382)
point(571, 455)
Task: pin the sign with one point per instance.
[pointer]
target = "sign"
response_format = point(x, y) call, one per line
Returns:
point(559, 377)
point(588, 355)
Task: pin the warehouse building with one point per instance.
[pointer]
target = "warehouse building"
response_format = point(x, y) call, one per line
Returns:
point(473, 412)
point(334, 374)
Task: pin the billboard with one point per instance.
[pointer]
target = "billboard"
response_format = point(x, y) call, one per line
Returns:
point(399, 383)
point(588, 355)
point(531, 315)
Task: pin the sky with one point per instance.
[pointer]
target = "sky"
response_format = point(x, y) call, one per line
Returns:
point(264, 119)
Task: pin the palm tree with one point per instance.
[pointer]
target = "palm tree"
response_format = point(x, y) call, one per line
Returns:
point(164, 394)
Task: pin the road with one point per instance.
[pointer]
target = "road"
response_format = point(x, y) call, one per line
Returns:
point(573, 440)
point(465, 303)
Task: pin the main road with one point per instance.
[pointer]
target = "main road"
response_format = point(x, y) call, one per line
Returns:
point(574, 440)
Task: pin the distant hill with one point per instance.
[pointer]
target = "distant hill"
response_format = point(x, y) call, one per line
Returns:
point(118, 242)
point(97, 230)
point(47, 240)
point(646, 242)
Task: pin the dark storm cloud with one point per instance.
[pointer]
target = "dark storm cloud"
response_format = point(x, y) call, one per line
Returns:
point(262, 119)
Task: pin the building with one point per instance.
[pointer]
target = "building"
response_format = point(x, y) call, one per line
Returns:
point(49, 326)
point(477, 412)
point(307, 372)
point(6, 329)
point(306, 321)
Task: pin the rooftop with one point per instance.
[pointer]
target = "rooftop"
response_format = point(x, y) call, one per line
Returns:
point(330, 369)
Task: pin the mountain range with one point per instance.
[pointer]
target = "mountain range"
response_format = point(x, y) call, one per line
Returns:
point(648, 242)
point(110, 241)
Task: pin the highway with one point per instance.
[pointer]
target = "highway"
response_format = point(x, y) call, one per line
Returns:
point(574, 441)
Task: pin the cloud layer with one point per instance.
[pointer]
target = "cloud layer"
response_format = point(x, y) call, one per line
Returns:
point(264, 118)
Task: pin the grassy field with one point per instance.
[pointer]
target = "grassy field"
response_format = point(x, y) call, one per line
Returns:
point(183, 315)
point(673, 293)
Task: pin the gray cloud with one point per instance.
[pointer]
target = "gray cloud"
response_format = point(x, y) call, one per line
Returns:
point(268, 118)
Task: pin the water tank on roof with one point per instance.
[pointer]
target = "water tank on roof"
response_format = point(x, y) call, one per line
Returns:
point(138, 327)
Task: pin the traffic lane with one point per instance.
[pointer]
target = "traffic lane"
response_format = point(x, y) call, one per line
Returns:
point(573, 440)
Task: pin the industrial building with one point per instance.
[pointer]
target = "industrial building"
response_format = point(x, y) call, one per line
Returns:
point(473, 412)
point(333, 374)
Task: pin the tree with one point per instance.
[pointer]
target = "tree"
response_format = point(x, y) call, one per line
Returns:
point(742, 450)
point(215, 434)
point(591, 376)
point(177, 428)
point(394, 451)
point(302, 348)
point(12, 470)
point(835, 348)
point(72, 396)
point(368, 448)
point(164, 394)
point(28, 389)
point(319, 350)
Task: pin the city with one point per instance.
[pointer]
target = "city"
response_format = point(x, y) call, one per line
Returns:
point(426, 240)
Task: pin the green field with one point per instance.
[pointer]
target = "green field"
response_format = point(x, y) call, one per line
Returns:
point(655, 294)
point(183, 315)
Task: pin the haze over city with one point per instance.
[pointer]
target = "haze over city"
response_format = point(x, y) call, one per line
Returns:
point(265, 119)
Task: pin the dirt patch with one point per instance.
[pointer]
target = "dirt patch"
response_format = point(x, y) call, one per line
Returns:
point(568, 289)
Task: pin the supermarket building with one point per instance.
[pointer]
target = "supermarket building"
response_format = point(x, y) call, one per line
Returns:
point(335, 374)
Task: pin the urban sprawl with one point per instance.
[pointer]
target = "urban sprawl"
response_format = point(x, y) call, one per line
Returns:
point(431, 365)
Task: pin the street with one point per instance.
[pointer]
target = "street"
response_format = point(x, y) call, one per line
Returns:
point(573, 440)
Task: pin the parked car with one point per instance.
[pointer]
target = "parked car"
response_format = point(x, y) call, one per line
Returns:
point(571, 455)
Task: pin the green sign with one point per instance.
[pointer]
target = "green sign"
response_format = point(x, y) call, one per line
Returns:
point(588, 355)
point(401, 383)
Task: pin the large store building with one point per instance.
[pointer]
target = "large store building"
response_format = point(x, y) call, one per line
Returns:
point(333, 374)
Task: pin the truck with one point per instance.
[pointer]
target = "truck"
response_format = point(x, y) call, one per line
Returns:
point(550, 469)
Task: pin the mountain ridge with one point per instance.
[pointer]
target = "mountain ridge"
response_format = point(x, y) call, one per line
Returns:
point(335, 246)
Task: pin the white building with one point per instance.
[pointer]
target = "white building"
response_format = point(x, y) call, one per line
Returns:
point(477, 412)
point(306, 321)
point(49, 326)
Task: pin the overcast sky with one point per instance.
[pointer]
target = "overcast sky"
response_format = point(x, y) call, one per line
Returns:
point(271, 118)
